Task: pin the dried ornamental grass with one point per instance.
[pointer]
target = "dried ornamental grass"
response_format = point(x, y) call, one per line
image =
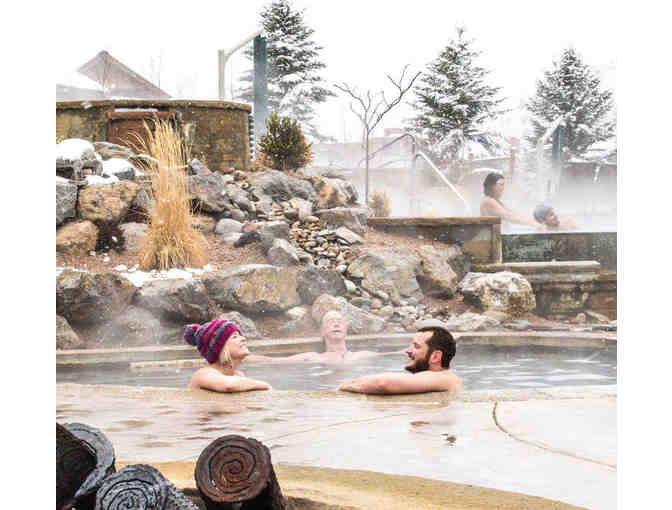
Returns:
point(172, 241)
point(379, 202)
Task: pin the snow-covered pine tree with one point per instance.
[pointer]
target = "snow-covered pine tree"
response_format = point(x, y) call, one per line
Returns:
point(294, 81)
point(571, 89)
point(454, 103)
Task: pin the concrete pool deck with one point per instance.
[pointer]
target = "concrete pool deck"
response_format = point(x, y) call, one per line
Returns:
point(554, 443)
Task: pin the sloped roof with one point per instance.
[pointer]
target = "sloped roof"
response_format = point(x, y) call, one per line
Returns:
point(115, 77)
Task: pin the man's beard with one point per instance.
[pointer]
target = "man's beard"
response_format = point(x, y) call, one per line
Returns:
point(419, 365)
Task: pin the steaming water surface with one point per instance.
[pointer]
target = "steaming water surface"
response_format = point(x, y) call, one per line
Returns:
point(481, 367)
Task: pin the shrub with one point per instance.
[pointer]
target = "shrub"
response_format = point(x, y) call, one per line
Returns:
point(284, 143)
point(172, 241)
point(380, 204)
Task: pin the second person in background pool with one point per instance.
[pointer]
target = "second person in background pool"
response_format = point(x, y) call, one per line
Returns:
point(491, 205)
point(333, 330)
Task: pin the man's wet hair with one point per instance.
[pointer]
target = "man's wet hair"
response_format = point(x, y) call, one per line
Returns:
point(443, 341)
point(489, 181)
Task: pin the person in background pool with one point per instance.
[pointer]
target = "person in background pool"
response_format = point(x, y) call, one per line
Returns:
point(333, 330)
point(545, 215)
point(493, 189)
point(429, 354)
point(223, 346)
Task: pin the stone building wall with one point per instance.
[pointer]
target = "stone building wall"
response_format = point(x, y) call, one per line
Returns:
point(216, 131)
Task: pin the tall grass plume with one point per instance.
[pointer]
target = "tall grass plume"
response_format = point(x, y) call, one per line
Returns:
point(172, 241)
point(379, 203)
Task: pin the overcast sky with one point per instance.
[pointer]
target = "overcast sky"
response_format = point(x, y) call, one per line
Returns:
point(362, 40)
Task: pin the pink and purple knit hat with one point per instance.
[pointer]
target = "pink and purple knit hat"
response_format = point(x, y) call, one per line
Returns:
point(210, 337)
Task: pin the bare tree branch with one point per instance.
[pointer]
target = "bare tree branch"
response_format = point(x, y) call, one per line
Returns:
point(370, 114)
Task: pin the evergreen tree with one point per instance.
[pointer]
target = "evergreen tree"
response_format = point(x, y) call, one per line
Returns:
point(294, 82)
point(453, 102)
point(572, 90)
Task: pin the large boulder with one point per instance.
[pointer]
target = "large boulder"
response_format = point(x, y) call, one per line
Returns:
point(77, 238)
point(503, 291)
point(246, 325)
point(66, 338)
point(436, 276)
point(199, 168)
point(334, 193)
point(263, 204)
point(227, 226)
point(87, 298)
point(209, 191)
point(175, 299)
point(109, 150)
point(458, 260)
point(280, 187)
point(389, 271)
point(135, 327)
point(359, 321)
point(348, 236)
point(354, 218)
point(254, 288)
point(66, 200)
point(271, 231)
point(107, 203)
point(282, 253)
point(239, 197)
point(312, 282)
point(120, 168)
point(135, 235)
point(469, 321)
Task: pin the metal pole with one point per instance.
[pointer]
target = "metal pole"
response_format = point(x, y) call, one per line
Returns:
point(223, 56)
point(221, 60)
point(413, 176)
point(260, 87)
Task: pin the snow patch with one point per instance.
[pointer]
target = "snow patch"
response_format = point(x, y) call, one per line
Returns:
point(99, 179)
point(73, 149)
point(116, 165)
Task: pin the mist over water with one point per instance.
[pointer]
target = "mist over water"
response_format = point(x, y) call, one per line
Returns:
point(578, 191)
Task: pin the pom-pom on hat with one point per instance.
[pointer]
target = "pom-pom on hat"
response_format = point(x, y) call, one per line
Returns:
point(210, 337)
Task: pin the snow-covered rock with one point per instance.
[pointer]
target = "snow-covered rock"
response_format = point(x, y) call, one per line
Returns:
point(120, 168)
point(75, 154)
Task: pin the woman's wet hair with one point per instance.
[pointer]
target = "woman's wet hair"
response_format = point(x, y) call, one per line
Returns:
point(441, 340)
point(490, 181)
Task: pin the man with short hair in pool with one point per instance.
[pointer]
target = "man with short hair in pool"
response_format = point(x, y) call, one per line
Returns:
point(429, 354)
point(546, 215)
point(223, 346)
point(333, 330)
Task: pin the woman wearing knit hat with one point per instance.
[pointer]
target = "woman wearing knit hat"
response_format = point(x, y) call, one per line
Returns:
point(223, 346)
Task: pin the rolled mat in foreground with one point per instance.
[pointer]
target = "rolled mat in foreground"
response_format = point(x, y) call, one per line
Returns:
point(140, 487)
point(235, 469)
point(85, 497)
point(75, 460)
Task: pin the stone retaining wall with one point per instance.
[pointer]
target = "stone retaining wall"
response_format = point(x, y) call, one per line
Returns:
point(216, 131)
point(561, 246)
point(480, 237)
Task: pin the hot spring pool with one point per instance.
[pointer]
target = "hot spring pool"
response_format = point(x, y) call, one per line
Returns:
point(481, 367)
